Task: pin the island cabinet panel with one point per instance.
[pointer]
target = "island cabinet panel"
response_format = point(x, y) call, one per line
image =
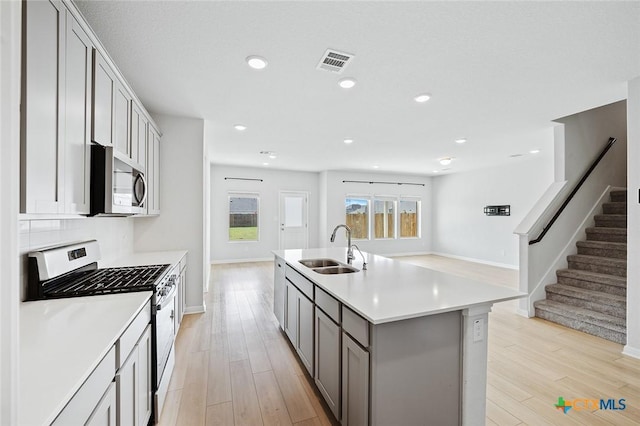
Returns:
point(299, 324)
point(425, 387)
point(300, 281)
point(355, 384)
point(356, 326)
point(327, 360)
point(291, 312)
point(305, 332)
point(278, 291)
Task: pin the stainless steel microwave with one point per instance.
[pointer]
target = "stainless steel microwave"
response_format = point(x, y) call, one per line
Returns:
point(118, 185)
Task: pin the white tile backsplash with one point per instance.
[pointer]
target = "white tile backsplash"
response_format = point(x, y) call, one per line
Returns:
point(114, 234)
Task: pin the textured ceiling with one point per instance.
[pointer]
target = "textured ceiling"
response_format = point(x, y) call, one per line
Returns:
point(499, 72)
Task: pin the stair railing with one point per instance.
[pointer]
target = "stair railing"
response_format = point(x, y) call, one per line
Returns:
point(584, 177)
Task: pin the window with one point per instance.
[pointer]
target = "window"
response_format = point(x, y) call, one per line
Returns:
point(384, 218)
point(409, 218)
point(243, 217)
point(357, 211)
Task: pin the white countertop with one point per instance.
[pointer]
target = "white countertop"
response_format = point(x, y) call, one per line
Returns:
point(61, 342)
point(391, 290)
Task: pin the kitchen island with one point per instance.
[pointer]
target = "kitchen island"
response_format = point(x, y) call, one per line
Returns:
point(392, 344)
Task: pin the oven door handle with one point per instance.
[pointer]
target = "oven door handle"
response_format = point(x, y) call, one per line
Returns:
point(166, 299)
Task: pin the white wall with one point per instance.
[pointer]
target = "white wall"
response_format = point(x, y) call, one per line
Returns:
point(334, 213)
point(586, 133)
point(10, 13)
point(633, 219)
point(222, 250)
point(461, 229)
point(180, 224)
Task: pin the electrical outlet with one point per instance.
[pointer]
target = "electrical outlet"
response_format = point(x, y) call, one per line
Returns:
point(478, 330)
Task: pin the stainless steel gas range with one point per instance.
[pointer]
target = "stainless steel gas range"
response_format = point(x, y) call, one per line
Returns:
point(71, 270)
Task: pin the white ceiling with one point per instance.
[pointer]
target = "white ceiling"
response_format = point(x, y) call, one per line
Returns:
point(499, 72)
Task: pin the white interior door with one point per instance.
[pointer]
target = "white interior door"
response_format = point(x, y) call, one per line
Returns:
point(294, 230)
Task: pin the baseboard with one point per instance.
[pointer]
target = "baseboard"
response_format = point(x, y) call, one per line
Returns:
point(482, 261)
point(195, 310)
point(631, 351)
point(255, 259)
point(413, 253)
point(523, 312)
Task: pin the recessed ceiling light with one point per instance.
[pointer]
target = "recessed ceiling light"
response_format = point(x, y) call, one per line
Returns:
point(436, 171)
point(348, 141)
point(534, 151)
point(347, 83)
point(422, 98)
point(375, 166)
point(240, 127)
point(265, 164)
point(461, 140)
point(445, 161)
point(256, 62)
point(273, 156)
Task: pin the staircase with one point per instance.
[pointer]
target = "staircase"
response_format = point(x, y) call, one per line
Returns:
point(591, 295)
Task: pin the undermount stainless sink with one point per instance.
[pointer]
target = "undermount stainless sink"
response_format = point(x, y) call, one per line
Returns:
point(319, 263)
point(335, 270)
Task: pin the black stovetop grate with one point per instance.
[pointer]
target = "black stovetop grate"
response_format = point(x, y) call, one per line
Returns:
point(109, 280)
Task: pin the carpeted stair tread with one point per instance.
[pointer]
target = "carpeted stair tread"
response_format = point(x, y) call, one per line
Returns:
point(611, 220)
point(593, 277)
point(595, 323)
point(603, 265)
point(596, 318)
point(614, 208)
point(618, 195)
point(581, 293)
point(596, 301)
point(603, 248)
point(602, 233)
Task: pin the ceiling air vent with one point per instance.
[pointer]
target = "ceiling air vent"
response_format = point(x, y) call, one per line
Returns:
point(334, 61)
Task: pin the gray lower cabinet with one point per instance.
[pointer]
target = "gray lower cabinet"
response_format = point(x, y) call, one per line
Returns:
point(298, 324)
point(291, 312)
point(127, 390)
point(105, 412)
point(327, 360)
point(355, 382)
point(305, 331)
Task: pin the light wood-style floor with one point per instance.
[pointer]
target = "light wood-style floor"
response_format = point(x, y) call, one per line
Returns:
point(234, 366)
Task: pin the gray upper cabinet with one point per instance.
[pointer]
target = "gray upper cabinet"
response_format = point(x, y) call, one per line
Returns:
point(153, 171)
point(122, 120)
point(73, 95)
point(104, 90)
point(42, 133)
point(78, 54)
point(139, 125)
point(56, 97)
